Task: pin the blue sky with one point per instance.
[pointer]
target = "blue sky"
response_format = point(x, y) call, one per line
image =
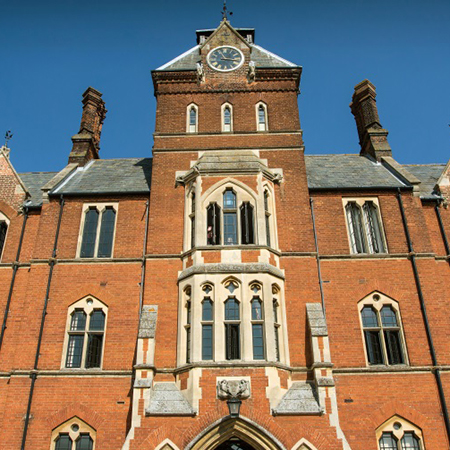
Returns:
point(53, 50)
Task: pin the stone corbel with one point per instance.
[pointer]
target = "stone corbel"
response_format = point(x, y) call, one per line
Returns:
point(251, 71)
point(200, 73)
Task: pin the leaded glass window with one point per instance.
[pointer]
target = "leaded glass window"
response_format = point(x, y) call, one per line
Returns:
point(89, 233)
point(388, 442)
point(106, 233)
point(382, 335)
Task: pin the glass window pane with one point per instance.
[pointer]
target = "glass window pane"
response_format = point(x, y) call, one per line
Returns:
point(409, 441)
point(231, 309)
point(84, 442)
point(247, 223)
point(388, 442)
point(192, 116)
point(374, 228)
point(97, 322)
point(63, 442)
point(277, 344)
point(106, 233)
point(229, 229)
point(261, 114)
point(213, 224)
point(227, 116)
point(3, 230)
point(355, 226)
point(75, 351)
point(373, 346)
point(188, 344)
point(256, 309)
point(369, 317)
point(94, 350)
point(207, 340)
point(207, 313)
point(393, 346)
point(232, 339)
point(78, 322)
point(258, 341)
point(89, 234)
point(229, 200)
point(388, 317)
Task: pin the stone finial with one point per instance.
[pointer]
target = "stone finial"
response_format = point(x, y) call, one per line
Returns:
point(86, 144)
point(372, 136)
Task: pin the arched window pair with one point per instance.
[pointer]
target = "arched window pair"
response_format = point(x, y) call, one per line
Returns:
point(98, 229)
point(364, 227)
point(4, 222)
point(238, 224)
point(382, 331)
point(85, 334)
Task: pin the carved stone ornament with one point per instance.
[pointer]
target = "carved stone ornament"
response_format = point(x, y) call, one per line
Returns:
point(251, 71)
point(200, 73)
point(233, 389)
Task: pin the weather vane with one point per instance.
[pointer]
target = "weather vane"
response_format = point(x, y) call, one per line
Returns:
point(8, 137)
point(225, 11)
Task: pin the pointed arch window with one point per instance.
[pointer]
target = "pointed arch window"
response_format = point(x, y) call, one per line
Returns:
point(192, 119)
point(98, 229)
point(232, 324)
point(3, 232)
point(382, 331)
point(261, 117)
point(229, 218)
point(73, 435)
point(85, 334)
point(399, 434)
point(227, 118)
point(364, 226)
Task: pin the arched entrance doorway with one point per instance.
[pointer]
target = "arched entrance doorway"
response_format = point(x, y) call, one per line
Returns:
point(235, 434)
point(234, 444)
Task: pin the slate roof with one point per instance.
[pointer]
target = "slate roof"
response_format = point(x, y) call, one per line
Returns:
point(33, 182)
point(109, 176)
point(260, 56)
point(347, 172)
point(428, 174)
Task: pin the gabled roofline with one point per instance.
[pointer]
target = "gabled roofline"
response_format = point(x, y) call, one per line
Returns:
point(176, 59)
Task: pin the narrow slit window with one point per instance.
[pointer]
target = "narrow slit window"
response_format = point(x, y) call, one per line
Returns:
point(192, 218)
point(257, 329)
point(229, 218)
point(207, 329)
point(192, 119)
point(232, 329)
point(227, 119)
point(262, 118)
point(267, 217)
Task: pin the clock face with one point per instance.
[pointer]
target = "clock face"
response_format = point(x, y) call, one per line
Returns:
point(225, 59)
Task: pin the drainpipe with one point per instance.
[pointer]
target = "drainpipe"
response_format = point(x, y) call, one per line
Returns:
point(436, 370)
point(319, 273)
point(13, 279)
point(33, 376)
point(144, 250)
point(444, 235)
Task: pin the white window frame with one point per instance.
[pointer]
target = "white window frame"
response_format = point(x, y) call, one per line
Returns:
point(191, 128)
point(3, 218)
point(101, 207)
point(398, 426)
point(68, 428)
point(377, 300)
point(366, 236)
point(88, 304)
point(227, 128)
point(259, 126)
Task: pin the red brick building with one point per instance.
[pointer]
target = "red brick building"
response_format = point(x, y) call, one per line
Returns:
point(144, 300)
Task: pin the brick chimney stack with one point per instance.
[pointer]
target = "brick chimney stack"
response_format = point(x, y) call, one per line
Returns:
point(86, 144)
point(372, 136)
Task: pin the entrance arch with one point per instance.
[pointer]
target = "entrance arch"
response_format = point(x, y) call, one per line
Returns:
point(228, 434)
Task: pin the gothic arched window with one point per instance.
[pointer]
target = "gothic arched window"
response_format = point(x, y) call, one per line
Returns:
point(192, 119)
point(261, 117)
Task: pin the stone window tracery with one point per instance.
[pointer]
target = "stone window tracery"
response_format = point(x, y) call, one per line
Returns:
point(398, 433)
point(74, 434)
